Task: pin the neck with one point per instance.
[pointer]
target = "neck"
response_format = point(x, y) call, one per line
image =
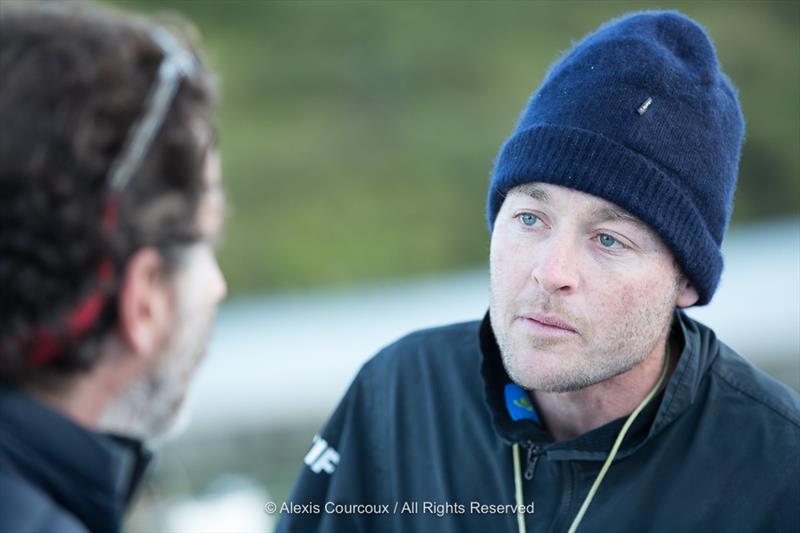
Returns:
point(85, 397)
point(79, 400)
point(570, 414)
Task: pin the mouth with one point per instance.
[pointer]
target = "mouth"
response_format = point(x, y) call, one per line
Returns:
point(548, 324)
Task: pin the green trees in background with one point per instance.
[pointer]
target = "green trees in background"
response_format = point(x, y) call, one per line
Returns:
point(358, 137)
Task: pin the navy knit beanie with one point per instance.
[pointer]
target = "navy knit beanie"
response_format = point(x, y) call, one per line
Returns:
point(638, 113)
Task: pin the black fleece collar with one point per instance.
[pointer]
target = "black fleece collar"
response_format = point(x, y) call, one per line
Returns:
point(91, 475)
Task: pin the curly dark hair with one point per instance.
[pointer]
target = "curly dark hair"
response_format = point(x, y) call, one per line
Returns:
point(75, 80)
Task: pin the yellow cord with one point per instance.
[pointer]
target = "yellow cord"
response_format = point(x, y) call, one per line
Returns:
point(596, 485)
point(518, 490)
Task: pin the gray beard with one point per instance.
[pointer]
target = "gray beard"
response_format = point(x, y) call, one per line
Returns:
point(145, 411)
point(153, 408)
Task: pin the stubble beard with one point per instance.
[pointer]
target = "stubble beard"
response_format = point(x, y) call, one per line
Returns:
point(600, 356)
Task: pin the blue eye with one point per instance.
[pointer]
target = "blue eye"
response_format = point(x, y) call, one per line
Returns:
point(529, 219)
point(608, 241)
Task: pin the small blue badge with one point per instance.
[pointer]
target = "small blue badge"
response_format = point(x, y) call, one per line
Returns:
point(519, 404)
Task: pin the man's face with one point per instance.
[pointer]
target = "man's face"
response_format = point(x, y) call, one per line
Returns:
point(581, 291)
point(198, 286)
point(150, 407)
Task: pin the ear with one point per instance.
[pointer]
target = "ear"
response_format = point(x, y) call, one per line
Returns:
point(687, 294)
point(144, 303)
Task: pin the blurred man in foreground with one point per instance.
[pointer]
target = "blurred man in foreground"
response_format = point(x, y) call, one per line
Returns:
point(110, 201)
point(586, 399)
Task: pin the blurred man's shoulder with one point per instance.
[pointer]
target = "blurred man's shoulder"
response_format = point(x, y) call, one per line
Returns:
point(26, 507)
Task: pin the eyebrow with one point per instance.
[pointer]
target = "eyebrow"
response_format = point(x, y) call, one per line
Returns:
point(535, 192)
point(605, 214)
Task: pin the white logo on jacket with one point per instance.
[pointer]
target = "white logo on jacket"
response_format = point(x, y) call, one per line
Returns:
point(321, 456)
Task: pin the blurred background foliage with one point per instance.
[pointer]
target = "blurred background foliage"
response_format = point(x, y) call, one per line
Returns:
point(358, 137)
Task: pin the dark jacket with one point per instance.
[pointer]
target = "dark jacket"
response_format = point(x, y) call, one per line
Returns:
point(56, 476)
point(426, 422)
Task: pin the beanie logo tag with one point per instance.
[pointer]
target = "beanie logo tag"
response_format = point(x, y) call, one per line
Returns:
point(643, 108)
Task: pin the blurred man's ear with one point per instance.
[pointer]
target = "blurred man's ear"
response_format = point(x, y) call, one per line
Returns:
point(687, 294)
point(144, 303)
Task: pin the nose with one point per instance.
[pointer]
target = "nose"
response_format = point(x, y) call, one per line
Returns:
point(220, 283)
point(556, 265)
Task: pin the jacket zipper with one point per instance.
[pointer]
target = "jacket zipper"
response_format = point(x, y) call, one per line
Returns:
point(534, 452)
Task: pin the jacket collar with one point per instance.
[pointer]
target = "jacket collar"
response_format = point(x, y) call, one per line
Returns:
point(91, 475)
point(699, 350)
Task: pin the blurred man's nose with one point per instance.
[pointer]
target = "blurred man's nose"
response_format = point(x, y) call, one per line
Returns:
point(219, 283)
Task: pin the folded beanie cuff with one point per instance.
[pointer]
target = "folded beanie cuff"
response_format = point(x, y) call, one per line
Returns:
point(583, 160)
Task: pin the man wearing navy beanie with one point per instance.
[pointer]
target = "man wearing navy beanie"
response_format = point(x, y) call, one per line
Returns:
point(585, 400)
point(640, 114)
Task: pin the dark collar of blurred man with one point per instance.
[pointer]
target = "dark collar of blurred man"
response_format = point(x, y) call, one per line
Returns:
point(585, 400)
point(110, 200)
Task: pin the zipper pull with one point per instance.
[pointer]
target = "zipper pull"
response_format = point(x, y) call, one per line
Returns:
point(534, 452)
